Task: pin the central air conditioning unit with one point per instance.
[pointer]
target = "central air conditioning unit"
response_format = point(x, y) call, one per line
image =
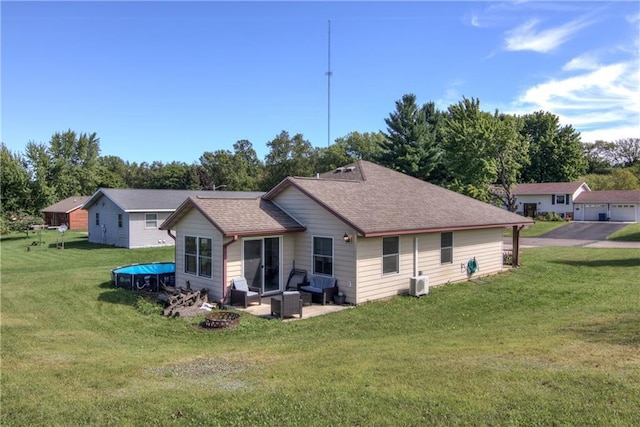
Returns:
point(419, 286)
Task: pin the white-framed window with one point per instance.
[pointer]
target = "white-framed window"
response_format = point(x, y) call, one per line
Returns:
point(197, 255)
point(151, 220)
point(97, 218)
point(390, 255)
point(446, 248)
point(119, 220)
point(560, 199)
point(323, 256)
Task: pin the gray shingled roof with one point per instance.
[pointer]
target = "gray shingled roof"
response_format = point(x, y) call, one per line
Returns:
point(376, 200)
point(67, 205)
point(137, 200)
point(238, 216)
point(547, 188)
point(610, 196)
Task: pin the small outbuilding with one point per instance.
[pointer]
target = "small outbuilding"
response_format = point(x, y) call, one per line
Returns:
point(68, 212)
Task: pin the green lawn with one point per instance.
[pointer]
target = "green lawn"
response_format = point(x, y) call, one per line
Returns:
point(555, 342)
point(631, 233)
point(538, 229)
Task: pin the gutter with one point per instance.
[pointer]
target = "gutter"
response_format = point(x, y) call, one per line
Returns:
point(224, 266)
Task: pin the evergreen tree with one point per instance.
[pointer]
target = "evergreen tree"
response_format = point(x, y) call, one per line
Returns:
point(410, 144)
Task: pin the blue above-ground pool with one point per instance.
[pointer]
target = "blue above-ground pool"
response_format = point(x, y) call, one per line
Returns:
point(144, 276)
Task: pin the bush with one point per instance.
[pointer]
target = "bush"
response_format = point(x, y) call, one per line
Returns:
point(549, 216)
point(147, 307)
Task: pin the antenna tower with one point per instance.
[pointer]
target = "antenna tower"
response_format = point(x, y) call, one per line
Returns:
point(329, 73)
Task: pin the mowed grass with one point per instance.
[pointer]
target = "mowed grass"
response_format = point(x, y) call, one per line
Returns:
point(537, 229)
point(630, 233)
point(556, 342)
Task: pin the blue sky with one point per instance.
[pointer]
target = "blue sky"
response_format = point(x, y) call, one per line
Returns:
point(167, 81)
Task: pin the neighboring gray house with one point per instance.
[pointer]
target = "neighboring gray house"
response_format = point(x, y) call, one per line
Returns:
point(611, 205)
point(371, 228)
point(556, 197)
point(130, 218)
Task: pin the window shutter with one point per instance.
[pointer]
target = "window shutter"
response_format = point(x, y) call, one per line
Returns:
point(566, 199)
point(553, 199)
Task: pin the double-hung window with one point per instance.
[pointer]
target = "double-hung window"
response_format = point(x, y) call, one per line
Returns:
point(97, 218)
point(197, 255)
point(446, 248)
point(119, 220)
point(323, 256)
point(151, 220)
point(390, 255)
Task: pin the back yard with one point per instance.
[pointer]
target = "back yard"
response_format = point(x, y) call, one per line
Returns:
point(556, 342)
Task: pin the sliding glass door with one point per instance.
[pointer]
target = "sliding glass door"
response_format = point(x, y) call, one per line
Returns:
point(261, 264)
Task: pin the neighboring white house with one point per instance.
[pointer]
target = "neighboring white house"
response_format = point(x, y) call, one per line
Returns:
point(371, 228)
point(131, 218)
point(575, 200)
point(548, 197)
point(615, 205)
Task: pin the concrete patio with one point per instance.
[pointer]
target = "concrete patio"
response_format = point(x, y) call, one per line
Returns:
point(264, 310)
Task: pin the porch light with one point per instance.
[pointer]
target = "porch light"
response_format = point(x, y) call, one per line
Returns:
point(347, 238)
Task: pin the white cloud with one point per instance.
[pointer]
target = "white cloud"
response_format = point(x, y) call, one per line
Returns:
point(601, 102)
point(475, 22)
point(610, 134)
point(582, 62)
point(527, 37)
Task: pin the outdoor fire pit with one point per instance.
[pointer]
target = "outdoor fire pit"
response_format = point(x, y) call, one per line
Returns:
point(221, 319)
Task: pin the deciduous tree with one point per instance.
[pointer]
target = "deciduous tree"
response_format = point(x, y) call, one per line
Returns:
point(555, 151)
point(14, 183)
point(237, 171)
point(288, 156)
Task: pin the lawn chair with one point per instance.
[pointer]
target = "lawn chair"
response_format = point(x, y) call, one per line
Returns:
point(242, 294)
point(287, 305)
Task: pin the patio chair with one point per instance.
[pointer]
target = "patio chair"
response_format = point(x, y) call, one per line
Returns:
point(287, 305)
point(242, 294)
point(296, 279)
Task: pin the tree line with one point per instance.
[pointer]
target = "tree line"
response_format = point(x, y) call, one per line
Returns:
point(478, 153)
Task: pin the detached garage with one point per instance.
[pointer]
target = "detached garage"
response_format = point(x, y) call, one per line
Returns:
point(614, 205)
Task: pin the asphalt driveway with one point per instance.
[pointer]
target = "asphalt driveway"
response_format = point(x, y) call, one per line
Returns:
point(585, 234)
point(584, 231)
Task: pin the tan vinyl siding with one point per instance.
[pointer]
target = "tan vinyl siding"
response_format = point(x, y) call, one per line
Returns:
point(320, 223)
point(372, 283)
point(234, 257)
point(194, 224)
point(485, 245)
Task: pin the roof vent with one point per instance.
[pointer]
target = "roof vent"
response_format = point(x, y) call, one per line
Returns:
point(338, 170)
point(349, 168)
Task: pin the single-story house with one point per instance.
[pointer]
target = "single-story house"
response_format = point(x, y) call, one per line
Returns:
point(370, 228)
point(548, 197)
point(130, 218)
point(67, 212)
point(614, 205)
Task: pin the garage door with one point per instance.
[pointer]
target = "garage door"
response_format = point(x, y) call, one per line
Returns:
point(623, 212)
point(592, 212)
